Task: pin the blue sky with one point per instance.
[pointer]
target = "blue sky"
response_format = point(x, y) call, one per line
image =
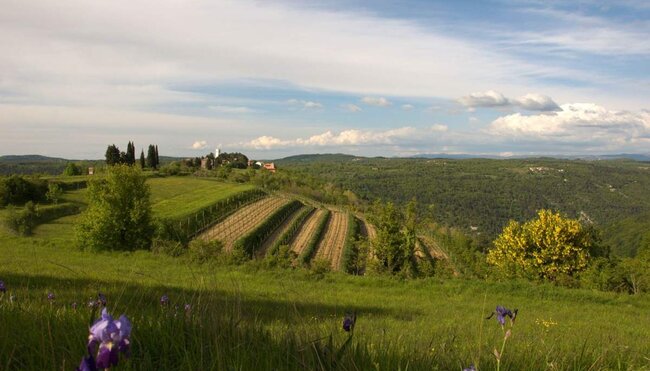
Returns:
point(276, 78)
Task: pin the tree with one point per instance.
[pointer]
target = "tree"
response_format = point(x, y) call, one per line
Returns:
point(118, 216)
point(54, 192)
point(157, 157)
point(546, 247)
point(394, 244)
point(72, 169)
point(112, 155)
point(142, 162)
point(130, 154)
point(151, 157)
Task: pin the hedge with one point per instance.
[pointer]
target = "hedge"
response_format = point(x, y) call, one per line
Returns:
point(310, 250)
point(350, 252)
point(252, 241)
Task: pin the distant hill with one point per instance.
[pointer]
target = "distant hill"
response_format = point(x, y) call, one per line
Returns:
point(303, 159)
point(31, 159)
point(479, 196)
point(621, 156)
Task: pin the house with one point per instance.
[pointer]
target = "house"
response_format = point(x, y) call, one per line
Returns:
point(91, 170)
point(270, 167)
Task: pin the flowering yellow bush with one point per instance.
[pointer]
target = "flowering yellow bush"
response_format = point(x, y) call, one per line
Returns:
point(545, 247)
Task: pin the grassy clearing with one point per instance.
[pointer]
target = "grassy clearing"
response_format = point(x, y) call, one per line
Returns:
point(248, 318)
point(174, 197)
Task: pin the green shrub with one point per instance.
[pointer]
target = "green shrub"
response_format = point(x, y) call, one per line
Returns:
point(16, 190)
point(319, 267)
point(202, 251)
point(282, 258)
point(118, 216)
point(22, 221)
point(51, 212)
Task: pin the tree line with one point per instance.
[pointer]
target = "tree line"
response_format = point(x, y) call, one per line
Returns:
point(114, 156)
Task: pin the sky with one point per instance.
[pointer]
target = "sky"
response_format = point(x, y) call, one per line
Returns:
point(370, 78)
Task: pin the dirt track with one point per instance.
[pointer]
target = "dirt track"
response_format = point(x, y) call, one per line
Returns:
point(242, 221)
point(331, 246)
point(306, 231)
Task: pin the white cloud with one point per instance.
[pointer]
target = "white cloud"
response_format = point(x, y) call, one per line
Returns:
point(439, 128)
point(305, 104)
point(352, 107)
point(577, 123)
point(351, 137)
point(536, 102)
point(491, 98)
point(199, 144)
point(230, 109)
point(266, 142)
point(407, 107)
point(376, 101)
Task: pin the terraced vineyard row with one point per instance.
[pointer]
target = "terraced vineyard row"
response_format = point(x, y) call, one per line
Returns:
point(302, 239)
point(331, 246)
point(242, 221)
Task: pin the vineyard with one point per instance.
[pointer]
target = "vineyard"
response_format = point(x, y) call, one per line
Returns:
point(242, 221)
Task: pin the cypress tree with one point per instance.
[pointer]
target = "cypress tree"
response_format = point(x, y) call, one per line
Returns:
point(157, 157)
point(142, 163)
point(151, 157)
point(130, 154)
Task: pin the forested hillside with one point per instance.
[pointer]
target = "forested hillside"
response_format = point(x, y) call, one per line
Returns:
point(481, 195)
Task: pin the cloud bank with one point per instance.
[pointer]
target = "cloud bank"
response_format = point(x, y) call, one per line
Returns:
point(491, 98)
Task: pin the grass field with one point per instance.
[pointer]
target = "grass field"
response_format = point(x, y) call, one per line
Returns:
point(178, 196)
point(247, 318)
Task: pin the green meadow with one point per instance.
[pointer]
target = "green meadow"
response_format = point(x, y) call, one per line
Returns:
point(250, 317)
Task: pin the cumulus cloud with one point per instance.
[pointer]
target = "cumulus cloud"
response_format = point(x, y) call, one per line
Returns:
point(376, 101)
point(407, 107)
point(350, 137)
point(437, 128)
point(491, 98)
point(199, 144)
point(305, 104)
point(352, 107)
point(230, 109)
point(577, 122)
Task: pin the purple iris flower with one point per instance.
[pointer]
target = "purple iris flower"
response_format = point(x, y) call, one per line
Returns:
point(349, 321)
point(164, 300)
point(188, 307)
point(51, 297)
point(503, 312)
point(112, 338)
point(74, 305)
point(3, 288)
point(87, 364)
point(470, 368)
